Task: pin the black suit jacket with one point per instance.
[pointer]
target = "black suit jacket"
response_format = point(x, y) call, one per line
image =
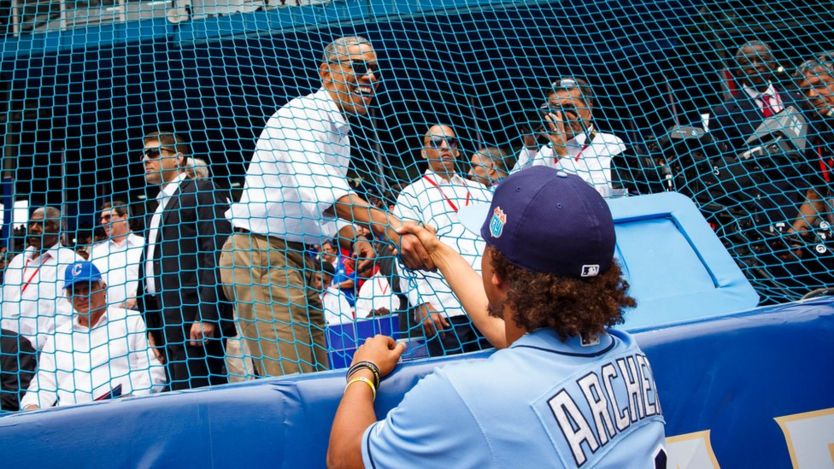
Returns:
point(191, 234)
point(735, 120)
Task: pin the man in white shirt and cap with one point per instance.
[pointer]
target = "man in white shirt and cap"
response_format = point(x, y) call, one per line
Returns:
point(101, 354)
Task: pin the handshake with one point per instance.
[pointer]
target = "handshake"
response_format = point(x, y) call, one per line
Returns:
point(419, 247)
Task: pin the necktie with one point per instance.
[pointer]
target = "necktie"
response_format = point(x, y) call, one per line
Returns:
point(767, 105)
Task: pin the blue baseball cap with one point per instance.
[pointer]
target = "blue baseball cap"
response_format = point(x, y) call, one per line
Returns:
point(547, 221)
point(83, 271)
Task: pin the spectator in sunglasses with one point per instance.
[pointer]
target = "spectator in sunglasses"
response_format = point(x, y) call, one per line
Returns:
point(574, 145)
point(296, 187)
point(434, 200)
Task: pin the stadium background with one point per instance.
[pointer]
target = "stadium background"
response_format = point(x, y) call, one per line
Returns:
point(76, 102)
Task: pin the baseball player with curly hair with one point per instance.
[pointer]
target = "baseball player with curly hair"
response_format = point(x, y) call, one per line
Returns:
point(564, 390)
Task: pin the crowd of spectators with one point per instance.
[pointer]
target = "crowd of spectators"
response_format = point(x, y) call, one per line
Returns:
point(301, 249)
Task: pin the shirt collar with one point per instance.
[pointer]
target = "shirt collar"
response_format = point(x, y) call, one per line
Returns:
point(171, 187)
point(546, 339)
point(52, 251)
point(78, 327)
point(455, 179)
point(582, 138)
point(340, 124)
point(770, 91)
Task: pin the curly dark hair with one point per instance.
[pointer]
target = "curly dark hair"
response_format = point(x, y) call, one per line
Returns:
point(570, 306)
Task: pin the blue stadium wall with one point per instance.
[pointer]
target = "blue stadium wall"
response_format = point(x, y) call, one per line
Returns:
point(480, 66)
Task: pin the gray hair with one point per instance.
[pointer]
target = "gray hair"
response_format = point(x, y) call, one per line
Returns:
point(50, 214)
point(339, 48)
point(197, 168)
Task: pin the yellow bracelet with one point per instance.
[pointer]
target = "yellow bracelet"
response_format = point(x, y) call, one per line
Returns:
point(362, 379)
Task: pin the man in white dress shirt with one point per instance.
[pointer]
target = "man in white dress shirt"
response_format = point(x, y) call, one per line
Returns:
point(118, 256)
point(102, 354)
point(296, 185)
point(434, 200)
point(574, 146)
point(33, 304)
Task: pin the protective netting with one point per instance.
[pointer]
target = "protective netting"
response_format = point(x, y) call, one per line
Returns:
point(655, 96)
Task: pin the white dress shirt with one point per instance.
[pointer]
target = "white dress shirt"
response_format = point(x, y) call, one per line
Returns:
point(298, 171)
point(337, 310)
point(374, 294)
point(164, 196)
point(591, 162)
point(119, 265)
point(770, 93)
point(434, 201)
point(34, 303)
point(80, 364)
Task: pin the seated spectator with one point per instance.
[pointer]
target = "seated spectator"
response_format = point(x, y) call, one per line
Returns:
point(575, 145)
point(33, 304)
point(344, 277)
point(560, 392)
point(118, 257)
point(815, 78)
point(101, 354)
point(376, 297)
point(18, 360)
point(489, 166)
point(337, 309)
point(435, 199)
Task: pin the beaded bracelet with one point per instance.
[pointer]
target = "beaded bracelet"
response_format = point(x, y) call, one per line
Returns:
point(362, 379)
point(365, 364)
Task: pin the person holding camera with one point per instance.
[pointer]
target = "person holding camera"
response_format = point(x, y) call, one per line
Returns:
point(574, 145)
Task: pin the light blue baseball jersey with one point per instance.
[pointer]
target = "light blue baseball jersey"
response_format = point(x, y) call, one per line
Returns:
point(539, 403)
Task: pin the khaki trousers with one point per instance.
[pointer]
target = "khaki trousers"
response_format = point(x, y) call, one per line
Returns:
point(281, 320)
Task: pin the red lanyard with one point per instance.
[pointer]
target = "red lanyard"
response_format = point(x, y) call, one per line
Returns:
point(448, 200)
point(29, 280)
point(379, 284)
point(578, 155)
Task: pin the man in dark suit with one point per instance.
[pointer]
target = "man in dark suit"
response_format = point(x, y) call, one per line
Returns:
point(184, 307)
point(754, 96)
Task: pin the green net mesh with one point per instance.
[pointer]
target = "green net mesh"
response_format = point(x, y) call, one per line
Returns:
point(670, 96)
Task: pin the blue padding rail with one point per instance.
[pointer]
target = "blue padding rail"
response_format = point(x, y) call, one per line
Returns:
point(738, 391)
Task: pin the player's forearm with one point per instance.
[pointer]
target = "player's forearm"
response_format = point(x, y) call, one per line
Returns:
point(354, 415)
point(469, 288)
point(352, 208)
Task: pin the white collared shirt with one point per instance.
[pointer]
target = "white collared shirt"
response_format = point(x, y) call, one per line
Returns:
point(591, 162)
point(119, 265)
point(34, 303)
point(80, 364)
point(298, 171)
point(162, 198)
point(337, 310)
point(434, 201)
point(374, 294)
point(775, 101)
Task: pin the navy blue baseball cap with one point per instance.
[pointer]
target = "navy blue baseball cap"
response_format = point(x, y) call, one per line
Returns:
point(547, 221)
point(83, 271)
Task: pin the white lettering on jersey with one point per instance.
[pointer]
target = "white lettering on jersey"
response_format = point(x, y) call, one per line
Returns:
point(573, 425)
point(609, 372)
point(599, 406)
point(600, 389)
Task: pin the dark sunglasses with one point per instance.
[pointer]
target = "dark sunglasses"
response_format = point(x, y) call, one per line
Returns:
point(436, 142)
point(361, 68)
point(154, 153)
